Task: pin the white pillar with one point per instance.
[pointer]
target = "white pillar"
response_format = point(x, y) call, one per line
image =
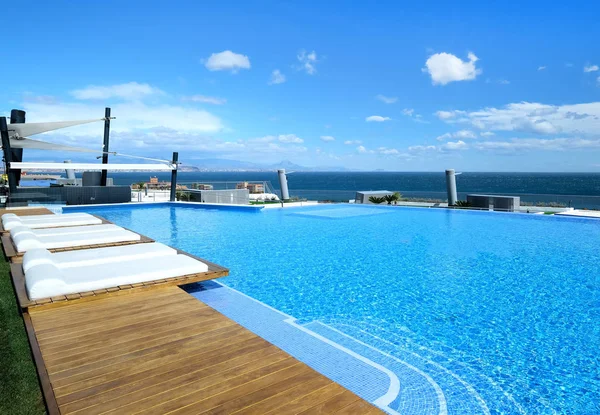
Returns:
point(285, 194)
point(70, 172)
point(451, 187)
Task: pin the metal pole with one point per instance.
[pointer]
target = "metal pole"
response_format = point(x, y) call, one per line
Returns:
point(12, 184)
point(285, 194)
point(17, 117)
point(451, 187)
point(174, 176)
point(105, 147)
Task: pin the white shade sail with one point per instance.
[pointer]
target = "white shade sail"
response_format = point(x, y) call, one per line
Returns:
point(32, 128)
point(44, 145)
point(91, 166)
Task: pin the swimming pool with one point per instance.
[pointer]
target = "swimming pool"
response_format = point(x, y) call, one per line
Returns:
point(474, 312)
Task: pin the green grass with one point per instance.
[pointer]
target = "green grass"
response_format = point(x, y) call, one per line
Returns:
point(19, 388)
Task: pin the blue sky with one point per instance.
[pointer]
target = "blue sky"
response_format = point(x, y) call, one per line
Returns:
point(365, 85)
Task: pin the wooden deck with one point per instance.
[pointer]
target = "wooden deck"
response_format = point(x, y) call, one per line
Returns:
point(26, 211)
point(162, 351)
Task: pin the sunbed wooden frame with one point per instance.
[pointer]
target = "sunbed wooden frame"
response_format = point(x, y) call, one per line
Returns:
point(18, 279)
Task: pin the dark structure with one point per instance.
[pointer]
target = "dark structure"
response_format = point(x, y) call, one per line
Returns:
point(106, 143)
point(12, 181)
point(174, 177)
point(17, 117)
point(71, 195)
point(495, 202)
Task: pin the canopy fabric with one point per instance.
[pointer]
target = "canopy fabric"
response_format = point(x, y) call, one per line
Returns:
point(43, 145)
point(32, 128)
point(91, 166)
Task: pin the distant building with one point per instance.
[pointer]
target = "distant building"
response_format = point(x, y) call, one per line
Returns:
point(154, 180)
point(363, 197)
point(252, 187)
point(201, 186)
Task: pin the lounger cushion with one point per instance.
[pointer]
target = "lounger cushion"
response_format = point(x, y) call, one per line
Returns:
point(9, 216)
point(25, 241)
point(49, 221)
point(72, 230)
point(28, 240)
point(96, 256)
point(37, 256)
point(44, 281)
point(90, 278)
point(18, 229)
point(11, 223)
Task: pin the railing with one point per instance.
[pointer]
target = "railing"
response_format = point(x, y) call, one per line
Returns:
point(527, 199)
point(229, 185)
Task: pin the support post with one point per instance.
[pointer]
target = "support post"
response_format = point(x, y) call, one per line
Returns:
point(12, 184)
point(105, 146)
point(17, 117)
point(174, 177)
point(285, 194)
point(451, 187)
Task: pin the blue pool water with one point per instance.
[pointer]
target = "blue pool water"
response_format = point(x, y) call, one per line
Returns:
point(497, 311)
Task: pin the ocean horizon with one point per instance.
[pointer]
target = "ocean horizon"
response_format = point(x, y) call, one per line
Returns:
point(569, 189)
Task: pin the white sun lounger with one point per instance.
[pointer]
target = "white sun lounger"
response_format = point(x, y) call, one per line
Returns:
point(48, 280)
point(96, 256)
point(71, 230)
point(25, 241)
point(10, 220)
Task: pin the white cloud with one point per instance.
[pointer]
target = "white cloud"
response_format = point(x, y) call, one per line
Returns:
point(282, 138)
point(421, 149)
point(128, 91)
point(463, 134)
point(535, 117)
point(487, 134)
point(590, 68)
point(362, 150)
point(454, 146)
point(377, 118)
point(503, 81)
point(307, 61)
point(327, 138)
point(277, 77)
point(446, 115)
point(227, 61)
point(445, 68)
point(408, 112)
point(352, 142)
point(388, 151)
point(205, 99)
point(130, 116)
point(541, 68)
point(535, 144)
point(386, 100)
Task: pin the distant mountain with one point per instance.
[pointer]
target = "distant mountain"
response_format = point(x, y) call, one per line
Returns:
point(237, 165)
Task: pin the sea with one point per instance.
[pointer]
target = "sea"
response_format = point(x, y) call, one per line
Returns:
point(580, 190)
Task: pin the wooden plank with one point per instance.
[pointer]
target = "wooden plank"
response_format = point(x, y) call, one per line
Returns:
point(269, 404)
point(46, 386)
point(138, 393)
point(302, 403)
point(163, 350)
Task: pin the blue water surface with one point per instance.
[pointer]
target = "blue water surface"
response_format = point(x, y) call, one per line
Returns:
point(500, 310)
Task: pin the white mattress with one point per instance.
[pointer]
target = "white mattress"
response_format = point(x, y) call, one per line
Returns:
point(47, 280)
point(71, 230)
point(25, 241)
point(10, 221)
point(96, 256)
